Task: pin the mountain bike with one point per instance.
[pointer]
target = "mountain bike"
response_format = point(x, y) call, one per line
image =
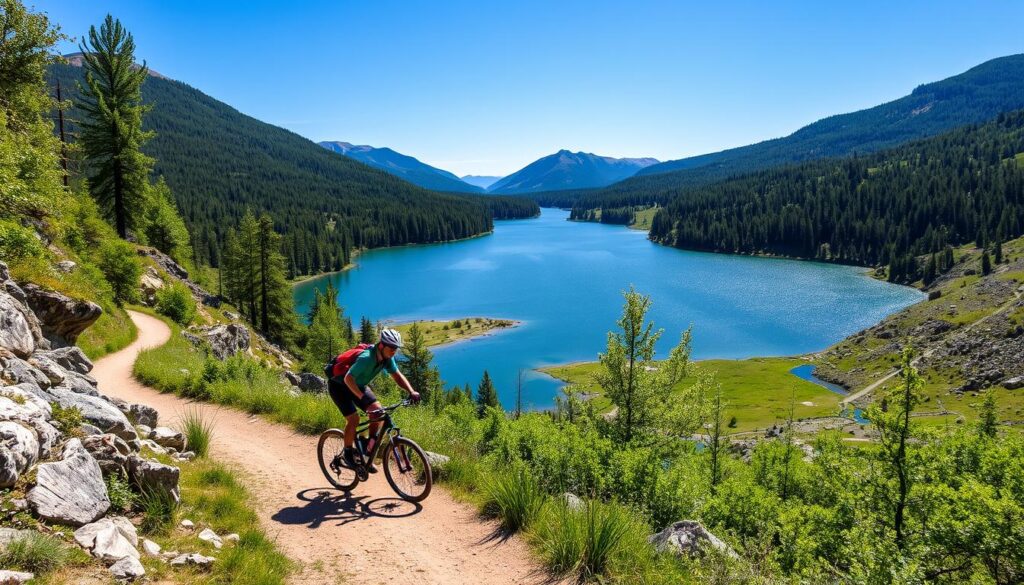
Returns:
point(406, 466)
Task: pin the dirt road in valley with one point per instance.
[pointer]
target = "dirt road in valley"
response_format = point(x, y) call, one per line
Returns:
point(367, 537)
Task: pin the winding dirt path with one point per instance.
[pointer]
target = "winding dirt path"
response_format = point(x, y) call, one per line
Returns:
point(368, 537)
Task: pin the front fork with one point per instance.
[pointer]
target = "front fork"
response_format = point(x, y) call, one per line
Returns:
point(401, 457)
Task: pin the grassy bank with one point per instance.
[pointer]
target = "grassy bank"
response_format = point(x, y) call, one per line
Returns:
point(757, 391)
point(441, 332)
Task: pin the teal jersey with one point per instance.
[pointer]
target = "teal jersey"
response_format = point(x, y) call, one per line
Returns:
point(366, 368)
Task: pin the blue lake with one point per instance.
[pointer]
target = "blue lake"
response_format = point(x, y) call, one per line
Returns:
point(564, 281)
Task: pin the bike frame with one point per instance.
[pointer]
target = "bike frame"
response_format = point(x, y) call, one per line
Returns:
point(387, 428)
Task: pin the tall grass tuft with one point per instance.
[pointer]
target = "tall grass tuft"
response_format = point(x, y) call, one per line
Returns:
point(515, 498)
point(605, 528)
point(198, 431)
point(36, 553)
point(158, 507)
point(559, 536)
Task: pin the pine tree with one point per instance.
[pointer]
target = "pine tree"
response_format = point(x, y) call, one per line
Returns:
point(366, 333)
point(277, 311)
point(164, 228)
point(998, 252)
point(987, 421)
point(112, 135)
point(930, 269)
point(986, 263)
point(326, 336)
point(416, 365)
point(486, 395)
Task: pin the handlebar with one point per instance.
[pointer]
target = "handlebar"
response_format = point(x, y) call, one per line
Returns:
point(386, 409)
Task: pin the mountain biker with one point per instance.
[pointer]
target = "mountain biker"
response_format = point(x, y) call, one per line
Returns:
point(354, 390)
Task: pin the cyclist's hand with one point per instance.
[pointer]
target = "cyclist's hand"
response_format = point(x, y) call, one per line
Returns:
point(414, 396)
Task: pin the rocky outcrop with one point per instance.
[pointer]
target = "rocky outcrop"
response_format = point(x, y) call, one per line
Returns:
point(149, 475)
point(110, 452)
point(62, 318)
point(141, 414)
point(689, 538)
point(149, 283)
point(70, 358)
point(168, 438)
point(70, 491)
point(224, 341)
point(312, 383)
point(15, 332)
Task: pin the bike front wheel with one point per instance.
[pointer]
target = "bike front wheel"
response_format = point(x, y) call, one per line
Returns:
point(407, 470)
point(329, 453)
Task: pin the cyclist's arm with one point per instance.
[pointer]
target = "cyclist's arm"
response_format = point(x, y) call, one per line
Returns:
point(402, 381)
point(353, 386)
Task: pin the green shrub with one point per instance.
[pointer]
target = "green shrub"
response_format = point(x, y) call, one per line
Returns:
point(515, 498)
point(17, 242)
point(122, 498)
point(175, 301)
point(36, 553)
point(198, 431)
point(68, 420)
point(559, 535)
point(122, 268)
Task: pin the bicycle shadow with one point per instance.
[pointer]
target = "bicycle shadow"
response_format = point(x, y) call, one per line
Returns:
point(329, 505)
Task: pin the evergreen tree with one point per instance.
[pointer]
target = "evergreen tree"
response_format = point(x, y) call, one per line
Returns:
point(930, 269)
point(486, 395)
point(326, 336)
point(987, 420)
point(998, 252)
point(164, 228)
point(112, 135)
point(416, 365)
point(640, 390)
point(716, 446)
point(986, 263)
point(366, 332)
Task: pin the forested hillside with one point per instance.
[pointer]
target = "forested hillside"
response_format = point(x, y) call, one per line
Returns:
point(880, 209)
point(975, 96)
point(219, 162)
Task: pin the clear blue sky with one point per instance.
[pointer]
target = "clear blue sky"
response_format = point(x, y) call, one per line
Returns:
point(485, 88)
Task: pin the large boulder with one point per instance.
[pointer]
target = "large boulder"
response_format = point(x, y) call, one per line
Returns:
point(150, 475)
point(97, 411)
point(86, 535)
point(70, 491)
point(70, 358)
point(51, 369)
point(110, 451)
point(18, 445)
point(62, 318)
point(141, 414)
point(127, 569)
point(149, 283)
point(688, 538)
point(312, 383)
point(226, 340)
point(21, 403)
point(14, 370)
point(15, 332)
point(1014, 383)
point(168, 438)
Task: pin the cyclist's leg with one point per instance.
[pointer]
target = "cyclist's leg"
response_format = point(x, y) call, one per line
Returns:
point(369, 404)
point(343, 399)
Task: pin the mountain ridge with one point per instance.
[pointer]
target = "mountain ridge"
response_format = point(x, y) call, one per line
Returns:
point(402, 165)
point(569, 170)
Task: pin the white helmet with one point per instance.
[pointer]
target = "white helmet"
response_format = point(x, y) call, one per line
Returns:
point(391, 337)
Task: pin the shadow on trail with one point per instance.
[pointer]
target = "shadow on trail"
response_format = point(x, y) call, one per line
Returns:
point(340, 508)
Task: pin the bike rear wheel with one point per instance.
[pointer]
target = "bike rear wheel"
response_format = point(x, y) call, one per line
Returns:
point(407, 470)
point(329, 450)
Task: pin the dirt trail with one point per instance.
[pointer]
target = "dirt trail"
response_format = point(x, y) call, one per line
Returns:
point(369, 537)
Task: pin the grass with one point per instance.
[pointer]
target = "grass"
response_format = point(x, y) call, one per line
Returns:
point(515, 498)
point(112, 332)
point(157, 506)
point(643, 218)
point(122, 498)
point(40, 553)
point(442, 332)
point(757, 390)
point(198, 431)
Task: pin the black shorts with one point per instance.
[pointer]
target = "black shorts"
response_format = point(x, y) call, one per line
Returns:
point(346, 401)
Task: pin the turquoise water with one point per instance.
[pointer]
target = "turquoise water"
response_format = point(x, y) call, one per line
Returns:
point(806, 372)
point(564, 281)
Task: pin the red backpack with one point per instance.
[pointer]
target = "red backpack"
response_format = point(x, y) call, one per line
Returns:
point(340, 365)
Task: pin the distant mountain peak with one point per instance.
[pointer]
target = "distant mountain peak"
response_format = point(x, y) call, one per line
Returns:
point(403, 166)
point(76, 60)
point(570, 170)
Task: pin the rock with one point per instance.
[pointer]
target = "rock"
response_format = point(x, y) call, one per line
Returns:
point(149, 283)
point(111, 546)
point(70, 491)
point(69, 358)
point(436, 460)
point(23, 447)
point(232, 316)
point(8, 469)
point(97, 411)
point(81, 384)
point(226, 340)
point(19, 505)
point(15, 332)
point(312, 383)
point(187, 524)
point(85, 536)
point(153, 475)
point(1014, 383)
point(572, 501)
point(186, 456)
point(150, 548)
point(48, 367)
point(9, 535)
point(21, 403)
point(192, 559)
point(65, 266)
point(47, 434)
point(17, 371)
point(141, 414)
point(61, 318)
point(128, 568)
point(689, 538)
point(152, 446)
point(233, 537)
point(211, 537)
point(292, 378)
point(168, 438)
point(89, 430)
point(110, 451)
point(15, 577)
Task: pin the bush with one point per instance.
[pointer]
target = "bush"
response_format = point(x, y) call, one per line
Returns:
point(515, 498)
point(36, 553)
point(68, 420)
point(122, 268)
point(17, 242)
point(198, 431)
point(175, 301)
point(122, 498)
